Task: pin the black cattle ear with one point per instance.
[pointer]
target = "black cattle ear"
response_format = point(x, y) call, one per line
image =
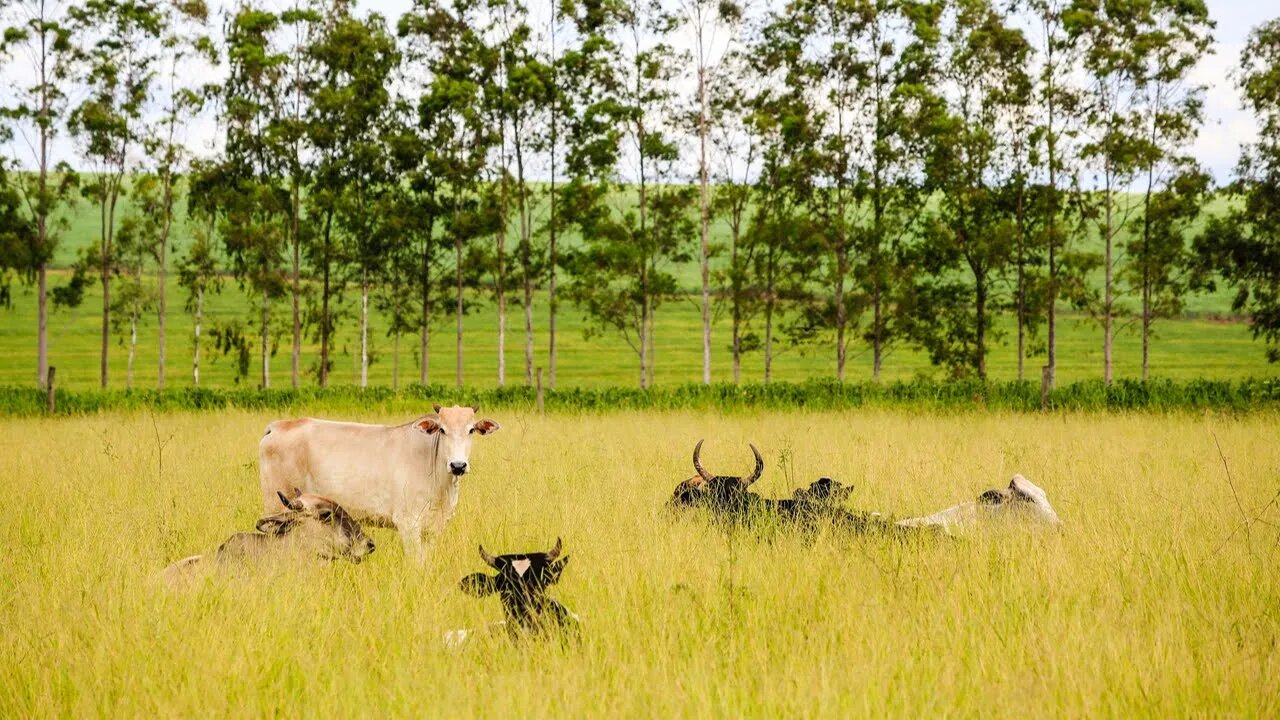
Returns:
point(992, 497)
point(479, 585)
point(557, 567)
point(276, 524)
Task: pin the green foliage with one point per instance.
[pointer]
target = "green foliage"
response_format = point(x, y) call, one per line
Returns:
point(1259, 395)
point(1245, 245)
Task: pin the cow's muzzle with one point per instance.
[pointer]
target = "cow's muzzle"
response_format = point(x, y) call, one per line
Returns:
point(458, 468)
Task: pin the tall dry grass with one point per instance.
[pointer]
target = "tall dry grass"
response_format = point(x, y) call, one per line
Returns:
point(1155, 599)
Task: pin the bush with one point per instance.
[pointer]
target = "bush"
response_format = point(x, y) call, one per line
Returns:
point(1157, 395)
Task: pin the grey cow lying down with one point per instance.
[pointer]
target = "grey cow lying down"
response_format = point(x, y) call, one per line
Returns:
point(310, 526)
point(1021, 501)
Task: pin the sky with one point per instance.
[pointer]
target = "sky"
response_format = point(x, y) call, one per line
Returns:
point(1226, 127)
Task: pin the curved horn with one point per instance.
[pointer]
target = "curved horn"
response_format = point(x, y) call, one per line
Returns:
point(489, 559)
point(289, 503)
point(697, 464)
point(759, 466)
point(555, 551)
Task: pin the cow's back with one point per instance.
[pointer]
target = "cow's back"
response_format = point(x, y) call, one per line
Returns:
point(356, 465)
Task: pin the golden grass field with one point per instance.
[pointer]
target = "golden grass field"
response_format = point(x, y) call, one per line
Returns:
point(1154, 599)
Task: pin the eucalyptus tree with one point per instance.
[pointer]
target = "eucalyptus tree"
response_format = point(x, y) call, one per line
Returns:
point(355, 59)
point(199, 273)
point(713, 25)
point(623, 275)
point(1115, 40)
point(37, 42)
point(779, 242)
point(1172, 110)
point(118, 61)
point(244, 188)
point(445, 42)
point(737, 153)
point(516, 99)
point(139, 245)
point(183, 43)
point(1244, 244)
point(983, 78)
point(1058, 98)
point(300, 28)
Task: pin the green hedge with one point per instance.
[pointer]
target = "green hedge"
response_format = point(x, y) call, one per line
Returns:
point(1157, 395)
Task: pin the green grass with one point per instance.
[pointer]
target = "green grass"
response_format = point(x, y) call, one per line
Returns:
point(1183, 350)
point(1201, 345)
point(1155, 599)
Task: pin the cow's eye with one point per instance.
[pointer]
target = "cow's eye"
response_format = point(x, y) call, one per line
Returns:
point(470, 430)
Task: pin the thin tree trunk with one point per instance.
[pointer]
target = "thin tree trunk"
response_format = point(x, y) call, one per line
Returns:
point(364, 329)
point(296, 354)
point(162, 260)
point(526, 252)
point(841, 313)
point(395, 361)
point(42, 219)
point(768, 337)
point(425, 336)
point(980, 297)
point(195, 360)
point(266, 330)
point(552, 229)
point(705, 218)
point(326, 325)
point(1051, 334)
point(133, 348)
point(1107, 290)
point(104, 250)
point(501, 282)
point(457, 247)
point(1022, 284)
point(736, 289)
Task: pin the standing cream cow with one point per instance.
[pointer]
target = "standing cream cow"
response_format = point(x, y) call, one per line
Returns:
point(405, 475)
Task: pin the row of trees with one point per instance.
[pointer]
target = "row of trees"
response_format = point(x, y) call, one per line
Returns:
point(887, 172)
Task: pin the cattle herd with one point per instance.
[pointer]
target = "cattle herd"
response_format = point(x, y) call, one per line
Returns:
point(321, 479)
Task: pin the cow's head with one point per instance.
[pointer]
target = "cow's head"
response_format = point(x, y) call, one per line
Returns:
point(454, 428)
point(824, 490)
point(320, 523)
point(521, 582)
point(1021, 498)
point(718, 491)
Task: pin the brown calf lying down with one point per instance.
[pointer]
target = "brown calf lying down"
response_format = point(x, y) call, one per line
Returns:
point(310, 525)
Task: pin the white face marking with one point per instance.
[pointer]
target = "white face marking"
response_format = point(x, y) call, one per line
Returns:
point(521, 566)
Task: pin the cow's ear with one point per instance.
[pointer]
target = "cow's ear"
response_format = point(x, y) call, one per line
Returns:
point(992, 497)
point(487, 426)
point(428, 425)
point(557, 567)
point(276, 524)
point(479, 585)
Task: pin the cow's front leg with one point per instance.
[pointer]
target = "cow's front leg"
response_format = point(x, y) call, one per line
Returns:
point(411, 531)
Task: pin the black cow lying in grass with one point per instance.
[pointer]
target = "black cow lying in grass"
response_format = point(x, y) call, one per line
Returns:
point(521, 583)
point(729, 498)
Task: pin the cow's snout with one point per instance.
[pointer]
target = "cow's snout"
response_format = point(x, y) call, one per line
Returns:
point(458, 468)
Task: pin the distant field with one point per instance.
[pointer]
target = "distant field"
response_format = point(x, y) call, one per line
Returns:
point(1201, 345)
point(1184, 349)
point(1153, 600)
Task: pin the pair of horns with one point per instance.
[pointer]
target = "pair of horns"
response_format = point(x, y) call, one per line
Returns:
point(492, 560)
point(475, 408)
point(697, 464)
